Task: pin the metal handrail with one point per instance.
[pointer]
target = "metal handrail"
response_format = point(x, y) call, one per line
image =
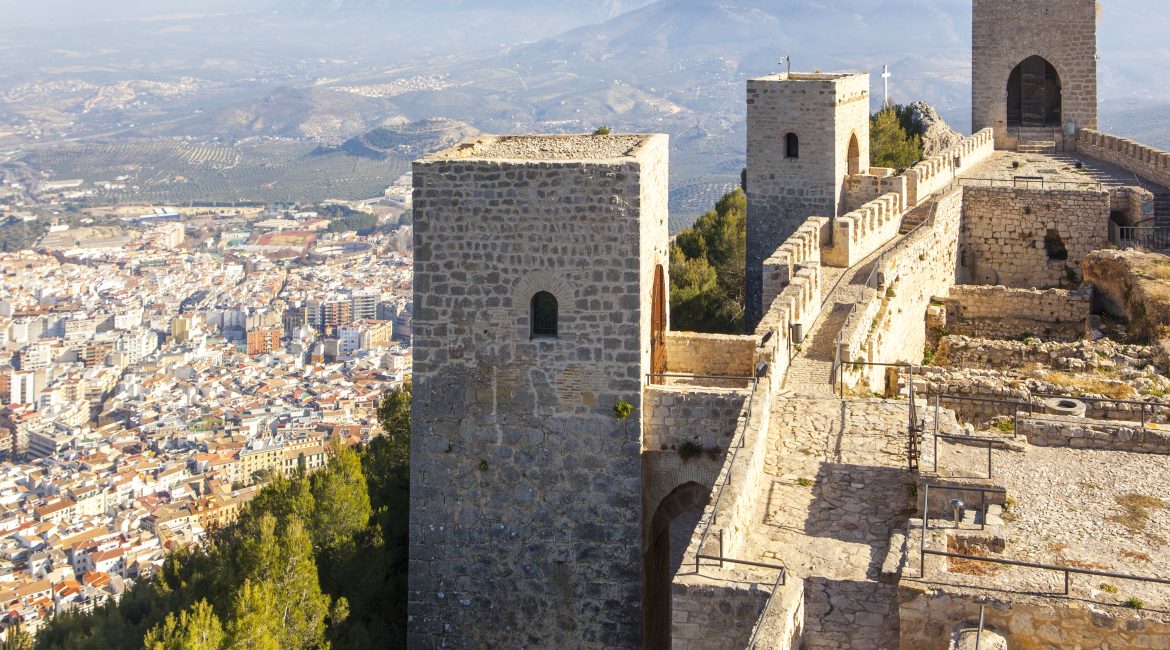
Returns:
point(781, 579)
point(1021, 182)
point(923, 551)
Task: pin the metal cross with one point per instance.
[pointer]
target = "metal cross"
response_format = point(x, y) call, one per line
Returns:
point(787, 60)
point(886, 77)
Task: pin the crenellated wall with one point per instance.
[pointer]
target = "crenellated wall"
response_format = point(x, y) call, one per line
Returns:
point(862, 188)
point(936, 172)
point(1143, 160)
point(863, 231)
point(886, 325)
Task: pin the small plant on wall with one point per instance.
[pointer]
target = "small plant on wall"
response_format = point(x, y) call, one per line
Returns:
point(623, 410)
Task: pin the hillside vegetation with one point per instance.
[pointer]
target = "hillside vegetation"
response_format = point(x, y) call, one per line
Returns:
point(313, 562)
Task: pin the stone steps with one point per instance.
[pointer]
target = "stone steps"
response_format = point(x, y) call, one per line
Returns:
point(1037, 146)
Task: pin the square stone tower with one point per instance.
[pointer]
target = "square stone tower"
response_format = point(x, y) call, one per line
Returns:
point(1033, 67)
point(540, 265)
point(805, 133)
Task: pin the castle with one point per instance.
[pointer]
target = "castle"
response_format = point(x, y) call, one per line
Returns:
point(582, 476)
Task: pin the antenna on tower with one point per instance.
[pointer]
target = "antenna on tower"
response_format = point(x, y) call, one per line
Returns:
point(786, 60)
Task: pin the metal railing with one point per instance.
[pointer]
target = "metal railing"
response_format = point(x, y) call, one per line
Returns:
point(1066, 570)
point(1151, 237)
point(781, 580)
point(1030, 182)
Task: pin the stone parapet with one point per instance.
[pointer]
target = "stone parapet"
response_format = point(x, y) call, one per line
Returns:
point(676, 415)
point(720, 355)
point(862, 188)
point(858, 234)
point(802, 249)
point(936, 172)
point(1141, 159)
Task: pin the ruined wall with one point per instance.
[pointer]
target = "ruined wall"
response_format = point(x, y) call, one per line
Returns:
point(1133, 286)
point(1044, 305)
point(1082, 433)
point(1006, 235)
point(674, 415)
point(1005, 32)
point(1143, 160)
point(509, 520)
point(824, 111)
point(928, 617)
point(714, 614)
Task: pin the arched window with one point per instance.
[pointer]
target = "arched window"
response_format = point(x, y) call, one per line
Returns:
point(791, 146)
point(544, 315)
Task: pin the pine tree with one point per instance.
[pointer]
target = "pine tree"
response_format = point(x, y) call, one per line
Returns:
point(253, 622)
point(197, 628)
point(343, 501)
point(890, 144)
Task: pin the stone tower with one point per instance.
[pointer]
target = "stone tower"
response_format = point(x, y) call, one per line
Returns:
point(539, 281)
point(805, 134)
point(1034, 68)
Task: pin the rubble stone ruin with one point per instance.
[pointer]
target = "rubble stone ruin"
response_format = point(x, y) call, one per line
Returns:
point(949, 425)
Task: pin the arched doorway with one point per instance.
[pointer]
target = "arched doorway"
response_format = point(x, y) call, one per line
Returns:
point(1034, 95)
point(671, 529)
point(658, 326)
point(854, 156)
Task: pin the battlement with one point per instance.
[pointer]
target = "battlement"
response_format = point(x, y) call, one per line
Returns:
point(544, 148)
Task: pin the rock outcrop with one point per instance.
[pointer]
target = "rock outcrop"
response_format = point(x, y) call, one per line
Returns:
point(937, 135)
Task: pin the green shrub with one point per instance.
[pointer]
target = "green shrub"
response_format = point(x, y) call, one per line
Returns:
point(1135, 603)
point(622, 410)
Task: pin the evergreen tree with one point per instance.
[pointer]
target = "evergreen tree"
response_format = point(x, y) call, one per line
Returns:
point(890, 144)
point(253, 622)
point(707, 269)
point(15, 638)
point(343, 501)
point(197, 628)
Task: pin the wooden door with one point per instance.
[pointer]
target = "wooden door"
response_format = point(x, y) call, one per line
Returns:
point(658, 327)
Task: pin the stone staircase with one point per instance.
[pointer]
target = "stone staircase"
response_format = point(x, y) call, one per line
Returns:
point(915, 218)
point(1047, 147)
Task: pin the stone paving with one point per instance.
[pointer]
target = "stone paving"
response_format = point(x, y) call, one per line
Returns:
point(838, 488)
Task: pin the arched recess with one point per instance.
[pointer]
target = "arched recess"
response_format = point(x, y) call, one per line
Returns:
point(854, 155)
point(1034, 95)
point(678, 513)
point(792, 146)
point(658, 327)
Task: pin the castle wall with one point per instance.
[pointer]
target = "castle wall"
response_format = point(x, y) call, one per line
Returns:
point(526, 491)
point(710, 354)
point(1005, 32)
point(1005, 232)
point(886, 325)
point(929, 176)
point(675, 415)
point(825, 112)
point(710, 615)
point(860, 189)
point(1143, 160)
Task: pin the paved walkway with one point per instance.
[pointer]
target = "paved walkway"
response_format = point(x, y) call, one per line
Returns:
point(838, 486)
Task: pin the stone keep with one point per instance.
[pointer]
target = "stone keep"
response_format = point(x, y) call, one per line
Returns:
point(526, 516)
point(1006, 32)
point(828, 114)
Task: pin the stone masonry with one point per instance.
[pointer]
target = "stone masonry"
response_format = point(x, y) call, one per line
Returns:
point(526, 491)
point(1005, 32)
point(825, 112)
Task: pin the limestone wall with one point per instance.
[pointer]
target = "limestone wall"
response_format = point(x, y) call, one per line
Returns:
point(936, 172)
point(1141, 159)
point(991, 354)
point(510, 522)
point(1043, 305)
point(674, 415)
point(801, 250)
point(886, 326)
point(1082, 433)
point(715, 614)
point(710, 354)
point(928, 614)
point(1007, 234)
point(861, 232)
point(860, 189)
point(1005, 33)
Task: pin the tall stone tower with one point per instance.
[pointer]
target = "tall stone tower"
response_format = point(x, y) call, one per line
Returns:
point(806, 133)
point(1034, 68)
point(539, 283)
